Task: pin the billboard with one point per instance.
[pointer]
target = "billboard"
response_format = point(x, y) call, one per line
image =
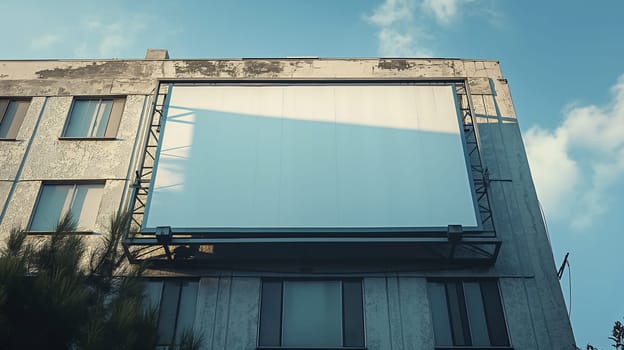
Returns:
point(310, 156)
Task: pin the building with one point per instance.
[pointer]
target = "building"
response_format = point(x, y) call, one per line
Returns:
point(296, 202)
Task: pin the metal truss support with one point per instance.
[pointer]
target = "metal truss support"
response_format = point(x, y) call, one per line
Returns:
point(479, 173)
point(143, 175)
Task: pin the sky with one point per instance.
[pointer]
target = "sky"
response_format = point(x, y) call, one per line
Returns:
point(563, 61)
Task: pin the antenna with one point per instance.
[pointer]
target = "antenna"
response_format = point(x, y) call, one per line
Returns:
point(563, 264)
point(560, 274)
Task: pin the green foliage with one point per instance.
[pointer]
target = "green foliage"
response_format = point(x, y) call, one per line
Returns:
point(617, 336)
point(51, 299)
point(189, 341)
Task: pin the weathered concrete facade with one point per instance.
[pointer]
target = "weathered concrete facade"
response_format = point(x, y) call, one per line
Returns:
point(397, 312)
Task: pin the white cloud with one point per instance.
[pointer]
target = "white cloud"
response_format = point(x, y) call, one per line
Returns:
point(555, 173)
point(443, 10)
point(393, 43)
point(576, 165)
point(44, 41)
point(391, 12)
point(397, 34)
point(411, 27)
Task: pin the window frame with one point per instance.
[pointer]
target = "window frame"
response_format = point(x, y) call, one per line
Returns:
point(117, 110)
point(179, 283)
point(13, 130)
point(76, 183)
point(465, 316)
point(360, 320)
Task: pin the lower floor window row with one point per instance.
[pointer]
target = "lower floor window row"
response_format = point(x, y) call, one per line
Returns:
point(330, 313)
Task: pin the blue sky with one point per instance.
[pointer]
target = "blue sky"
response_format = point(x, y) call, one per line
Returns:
point(563, 60)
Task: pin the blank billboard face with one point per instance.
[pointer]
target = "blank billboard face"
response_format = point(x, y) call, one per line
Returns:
point(311, 156)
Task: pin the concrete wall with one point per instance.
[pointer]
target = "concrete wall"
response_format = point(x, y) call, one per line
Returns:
point(396, 306)
point(396, 311)
point(39, 155)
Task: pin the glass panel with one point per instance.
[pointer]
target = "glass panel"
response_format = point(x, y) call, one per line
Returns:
point(20, 114)
point(353, 313)
point(3, 106)
point(81, 118)
point(186, 312)
point(440, 314)
point(168, 312)
point(494, 313)
point(153, 292)
point(102, 118)
point(271, 314)
point(115, 117)
point(86, 204)
point(312, 314)
point(7, 120)
point(457, 313)
point(476, 314)
point(50, 207)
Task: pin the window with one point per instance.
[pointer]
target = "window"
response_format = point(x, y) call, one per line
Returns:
point(314, 313)
point(467, 313)
point(12, 113)
point(94, 118)
point(55, 200)
point(176, 302)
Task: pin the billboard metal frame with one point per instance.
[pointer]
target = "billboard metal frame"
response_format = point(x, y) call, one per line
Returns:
point(474, 244)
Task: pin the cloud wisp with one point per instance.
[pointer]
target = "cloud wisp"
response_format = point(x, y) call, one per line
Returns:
point(100, 35)
point(443, 10)
point(407, 27)
point(398, 35)
point(107, 37)
point(576, 165)
point(44, 41)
